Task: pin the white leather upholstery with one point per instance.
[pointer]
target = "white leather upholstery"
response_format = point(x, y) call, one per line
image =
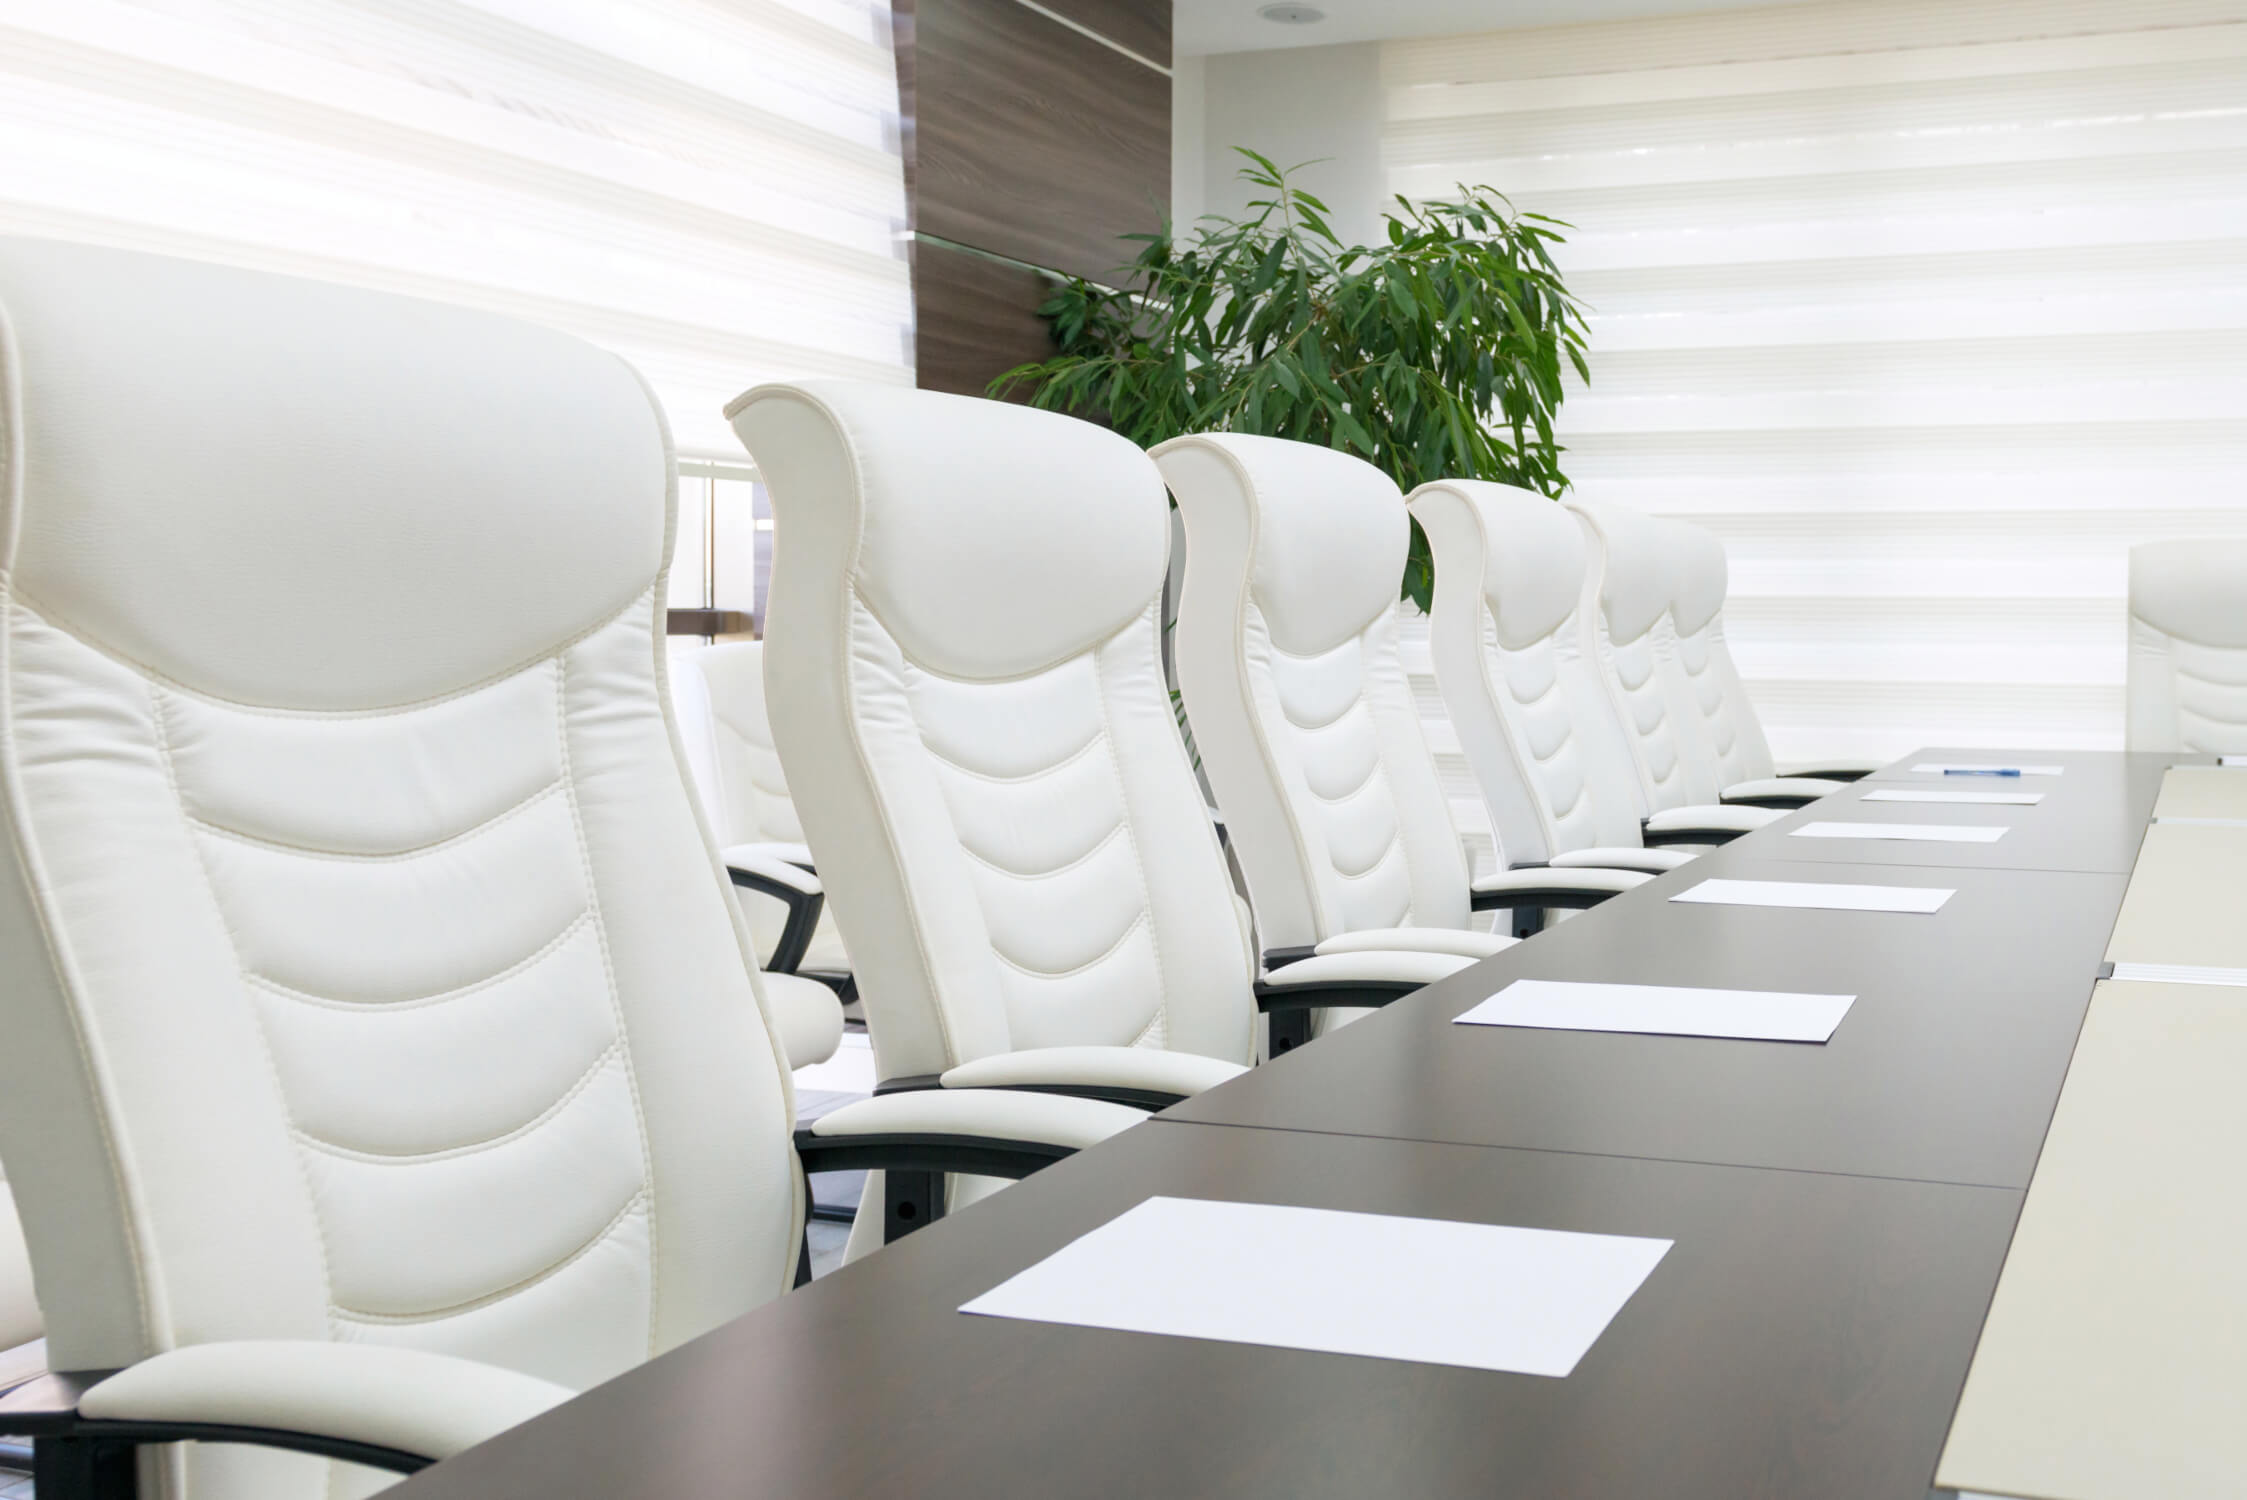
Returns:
point(1462, 942)
point(19, 1305)
point(437, 1405)
point(1587, 880)
point(1286, 651)
point(805, 1015)
point(369, 975)
point(961, 660)
point(1512, 661)
point(719, 691)
point(2188, 646)
point(993, 1114)
point(1383, 966)
point(1628, 631)
point(1180, 1073)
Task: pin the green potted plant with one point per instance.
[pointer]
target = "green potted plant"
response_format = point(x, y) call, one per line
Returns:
point(1436, 354)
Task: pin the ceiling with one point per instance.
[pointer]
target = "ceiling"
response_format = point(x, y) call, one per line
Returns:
point(1204, 26)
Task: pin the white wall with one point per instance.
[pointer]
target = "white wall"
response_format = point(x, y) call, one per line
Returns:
point(1302, 104)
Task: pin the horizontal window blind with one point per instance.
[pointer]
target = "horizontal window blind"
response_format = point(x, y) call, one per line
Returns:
point(711, 188)
point(1930, 308)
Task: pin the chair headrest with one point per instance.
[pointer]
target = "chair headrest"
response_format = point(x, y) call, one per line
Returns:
point(296, 495)
point(2195, 589)
point(1698, 574)
point(1628, 551)
point(1330, 530)
point(1062, 525)
point(1533, 554)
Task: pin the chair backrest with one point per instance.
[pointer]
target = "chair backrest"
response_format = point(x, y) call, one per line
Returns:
point(720, 695)
point(962, 658)
point(1286, 649)
point(19, 1306)
point(1532, 716)
point(1628, 633)
point(2188, 646)
point(369, 973)
point(1717, 707)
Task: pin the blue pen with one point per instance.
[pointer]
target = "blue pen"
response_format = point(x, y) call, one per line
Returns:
point(1977, 771)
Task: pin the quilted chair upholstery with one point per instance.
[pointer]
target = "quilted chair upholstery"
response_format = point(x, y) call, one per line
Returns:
point(961, 658)
point(1713, 704)
point(2188, 647)
point(1308, 731)
point(1528, 705)
point(1629, 633)
point(719, 694)
point(384, 1058)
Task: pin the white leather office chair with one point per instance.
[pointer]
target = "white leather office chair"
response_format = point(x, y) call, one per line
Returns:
point(384, 1053)
point(20, 1328)
point(1532, 716)
point(2188, 646)
point(718, 692)
point(1713, 704)
point(1628, 633)
point(1286, 649)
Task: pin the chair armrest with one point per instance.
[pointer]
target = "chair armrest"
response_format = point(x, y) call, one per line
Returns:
point(1706, 825)
point(755, 867)
point(1456, 941)
point(1363, 979)
point(1653, 861)
point(389, 1408)
point(1845, 770)
point(1543, 886)
point(990, 1132)
point(1780, 791)
point(1143, 1077)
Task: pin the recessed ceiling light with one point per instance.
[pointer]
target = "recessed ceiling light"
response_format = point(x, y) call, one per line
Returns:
point(1291, 15)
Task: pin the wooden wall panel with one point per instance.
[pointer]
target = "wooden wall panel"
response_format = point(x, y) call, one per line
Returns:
point(976, 318)
point(1143, 26)
point(1032, 140)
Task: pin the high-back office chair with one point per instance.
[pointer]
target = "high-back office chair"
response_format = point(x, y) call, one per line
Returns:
point(1287, 659)
point(20, 1327)
point(384, 1058)
point(1712, 703)
point(718, 693)
point(1629, 635)
point(2188, 646)
point(1532, 717)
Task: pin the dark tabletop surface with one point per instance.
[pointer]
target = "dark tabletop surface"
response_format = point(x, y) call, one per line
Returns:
point(1841, 1212)
point(1807, 1336)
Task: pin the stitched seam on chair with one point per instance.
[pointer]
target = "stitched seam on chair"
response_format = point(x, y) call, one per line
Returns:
point(416, 1002)
point(1353, 793)
point(157, 678)
point(1123, 799)
point(1074, 969)
point(347, 856)
point(257, 1022)
point(584, 1081)
point(1357, 701)
point(37, 890)
point(1388, 852)
point(1060, 869)
point(998, 778)
point(608, 969)
point(601, 1236)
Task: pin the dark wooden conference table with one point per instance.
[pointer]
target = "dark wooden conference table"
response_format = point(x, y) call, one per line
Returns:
point(1840, 1214)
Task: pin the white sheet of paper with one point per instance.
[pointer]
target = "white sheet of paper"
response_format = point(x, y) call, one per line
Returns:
point(1482, 1296)
point(1938, 767)
point(1930, 794)
point(1758, 1015)
point(2231, 760)
point(2206, 822)
point(1818, 895)
point(1931, 833)
point(2181, 974)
